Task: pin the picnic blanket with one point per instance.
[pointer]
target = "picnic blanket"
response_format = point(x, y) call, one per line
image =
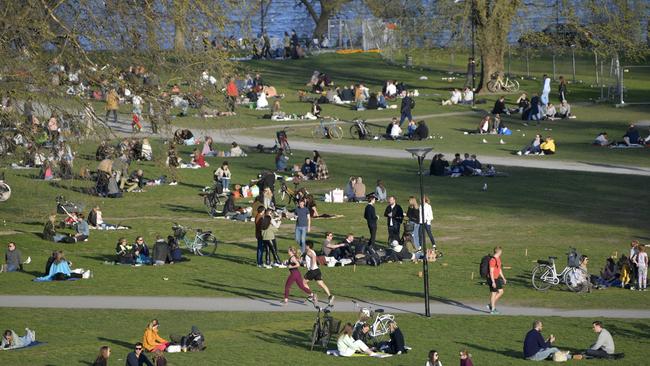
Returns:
point(623, 146)
point(33, 344)
point(335, 353)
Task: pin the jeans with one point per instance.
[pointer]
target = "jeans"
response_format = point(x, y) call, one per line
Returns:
point(301, 237)
point(393, 232)
point(260, 251)
point(57, 238)
point(427, 229)
point(416, 236)
point(226, 183)
point(597, 353)
point(543, 354)
point(405, 115)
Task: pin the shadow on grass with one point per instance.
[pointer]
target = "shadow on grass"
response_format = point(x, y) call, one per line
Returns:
point(185, 209)
point(292, 338)
point(639, 331)
point(506, 352)
point(420, 296)
point(116, 342)
point(241, 291)
point(235, 258)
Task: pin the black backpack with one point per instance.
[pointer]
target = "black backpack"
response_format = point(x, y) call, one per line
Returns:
point(484, 267)
point(372, 257)
point(412, 103)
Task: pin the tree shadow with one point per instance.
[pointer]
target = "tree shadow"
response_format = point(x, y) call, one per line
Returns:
point(197, 186)
point(180, 208)
point(240, 291)
point(234, 258)
point(116, 342)
point(639, 331)
point(506, 352)
point(84, 362)
point(292, 337)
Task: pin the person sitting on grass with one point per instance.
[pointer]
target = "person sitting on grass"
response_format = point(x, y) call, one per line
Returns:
point(137, 357)
point(198, 159)
point(433, 359)
point(439, 166)
point(465, 358)
point(410, 130)
point(359, 190)
point(535, 347)
point(141, 251)
point(124, 252)
point(455, 98)
point(342, 250)
point(58, 269)
point(632, 136)
point(523, 103)
point(548, 146)
point(82, 229)
point(602, 140)
point(380, 191)
point(151, 341)
point(395, 131)
point(134, 183)
point(102, 357)
point(396, 344)
point(500, 106)
point(308, 169)
point(347, 346)
point(604, 346)
point(13, 259)
point(161, 252)
point(468, 96)
point(533, 148)
point(484, 125)
point(421, 131)
point(550, 112)
point(11, 340)
point(564, 110)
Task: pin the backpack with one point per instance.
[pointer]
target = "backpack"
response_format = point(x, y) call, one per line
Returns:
point(484, 268)
point(372, 257)
point(412, 103)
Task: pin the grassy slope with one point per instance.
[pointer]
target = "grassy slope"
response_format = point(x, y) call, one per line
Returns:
point(542, 211)
point(73, 337)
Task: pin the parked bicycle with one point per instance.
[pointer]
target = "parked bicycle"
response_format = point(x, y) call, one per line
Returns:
point(379, 329)
point(324, 327)
point(212, 199)
point(5, 189)
point(361, 130)
point(328, 129)
point(497, 84)
point(545, 275)
point(289, 196)
point(202, 239)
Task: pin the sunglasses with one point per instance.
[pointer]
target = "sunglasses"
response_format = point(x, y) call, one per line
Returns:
point(138, 348)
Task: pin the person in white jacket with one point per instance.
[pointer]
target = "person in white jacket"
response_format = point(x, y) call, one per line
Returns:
point(426, 219)
point(347, 346)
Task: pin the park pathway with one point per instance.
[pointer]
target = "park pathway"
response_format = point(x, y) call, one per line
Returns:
point(438, 307)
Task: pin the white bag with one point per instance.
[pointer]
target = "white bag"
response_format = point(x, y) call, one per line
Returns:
point(174, 348)
point(337, 195)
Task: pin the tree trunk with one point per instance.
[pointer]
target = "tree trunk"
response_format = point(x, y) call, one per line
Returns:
point(150, 22)
point(491, 63)
point(322, 23)
point(180, 24)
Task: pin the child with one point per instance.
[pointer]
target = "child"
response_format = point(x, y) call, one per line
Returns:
point(465, 358)
point(136, 125)
point(641, 261)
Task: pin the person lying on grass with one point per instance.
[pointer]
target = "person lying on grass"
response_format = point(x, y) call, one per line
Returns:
point(11, 340)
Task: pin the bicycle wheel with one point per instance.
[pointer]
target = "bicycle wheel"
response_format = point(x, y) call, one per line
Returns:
point(315, 334)
point(336, 132)
point(512, 85)
point(493, 86)
point(5, 191)
point(539, 277)
point(325, 336)
point(355, 133)
point(576, 279)
point(207, 240)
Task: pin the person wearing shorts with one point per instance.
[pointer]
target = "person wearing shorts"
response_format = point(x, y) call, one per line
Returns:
point(313, 272)
point(496, 280)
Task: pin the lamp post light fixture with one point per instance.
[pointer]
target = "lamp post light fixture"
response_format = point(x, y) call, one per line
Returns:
point(421, 153)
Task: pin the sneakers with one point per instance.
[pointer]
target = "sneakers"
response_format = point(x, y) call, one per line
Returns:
point(313, 298)
point(519, 153)
point(86, 275)
point(489, 307)
point(28, 261)
point(330, 300)
point(267, 266)
point(495, 312)
point(173, 183)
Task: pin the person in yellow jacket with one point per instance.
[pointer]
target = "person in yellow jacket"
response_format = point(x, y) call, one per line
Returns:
point(112, 104)
point(151, 341)
point(548, 146)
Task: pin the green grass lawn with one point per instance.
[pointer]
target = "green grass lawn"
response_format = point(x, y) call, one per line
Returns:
point(74, 336)
point(542, 212)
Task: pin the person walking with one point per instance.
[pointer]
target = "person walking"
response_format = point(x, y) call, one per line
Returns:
point(303, 224)
point(370, 214)
point(426, 219)
point(295, 277)
point(395, 216)
point(266, 48)
point(313, 272)
point(406, 108)
point(471, 69)
point(535, 347)
point(232, 94)
point(112, 104)
point(546, 90)
point(496, 280)
point(286, 42)
point(562, 90)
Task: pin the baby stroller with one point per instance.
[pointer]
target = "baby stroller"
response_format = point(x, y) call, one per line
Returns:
point(64, 206)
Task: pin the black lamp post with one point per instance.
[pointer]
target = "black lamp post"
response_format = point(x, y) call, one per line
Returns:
point(421, 153)
point(473, 51)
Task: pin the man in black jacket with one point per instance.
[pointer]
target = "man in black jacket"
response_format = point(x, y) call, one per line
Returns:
point(407, 105)
point(137, 357)
point(371, 218)
point(395, 216)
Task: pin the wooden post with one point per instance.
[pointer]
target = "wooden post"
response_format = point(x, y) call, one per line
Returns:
point(526, 252)
point(472, 275)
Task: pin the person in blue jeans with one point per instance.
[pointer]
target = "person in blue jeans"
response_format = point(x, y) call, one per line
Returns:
point(535, 347)
point(258, 236)
point(303, 224)
point(406, 109)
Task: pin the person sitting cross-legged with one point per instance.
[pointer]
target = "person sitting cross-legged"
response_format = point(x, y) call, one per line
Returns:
point(347, 346)
point(535, 347)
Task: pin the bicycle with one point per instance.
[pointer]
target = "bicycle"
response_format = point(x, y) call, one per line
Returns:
point(497, 84)
point(5, 189)
point(360, 130)
point(328, 130)
point(212, 199)
point(324, 327)
point(287, 195)
point(379, 329)
point(544, 274)
point(202, 239)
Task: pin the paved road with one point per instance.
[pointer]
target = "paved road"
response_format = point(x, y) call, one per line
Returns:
point(445, 307)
